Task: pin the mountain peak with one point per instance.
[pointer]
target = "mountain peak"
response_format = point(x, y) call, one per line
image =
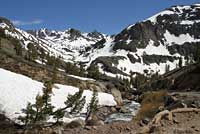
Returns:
point(5, 21)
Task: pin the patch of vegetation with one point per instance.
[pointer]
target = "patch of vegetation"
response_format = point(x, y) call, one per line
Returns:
point(42, 110)
point(93, 72)
point(72, 68)
point(138, 80)
point(92, 106)
point(17, 46)
point(32, 53)
point(151, 103)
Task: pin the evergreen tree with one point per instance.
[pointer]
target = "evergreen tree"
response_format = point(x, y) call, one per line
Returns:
point(42, 55)
point(57, 63)
point(187, 60)
point(73, 101)
point(76, 102)
point(93, 72)
point(126, 82)
point(38, 106)
point(32, 52)
point(81, 71)
point(0, 43)
point(167, 68)
point(136, 82)
point(29, 112)
point(2, 33)
point(180, 62)
point(18, 47)
point(78, 105)
point(59, 114)
point(68, 68)
point(53, 61)
point(92, 106)
point(42, 108)
point(47, 91)
point(197, 55)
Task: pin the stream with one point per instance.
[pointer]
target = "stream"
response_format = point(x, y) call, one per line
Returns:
point(131, 109)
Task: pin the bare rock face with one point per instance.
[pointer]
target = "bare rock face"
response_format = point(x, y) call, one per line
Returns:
point(117, 95)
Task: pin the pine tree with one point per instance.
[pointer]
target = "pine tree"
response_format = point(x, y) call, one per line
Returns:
point(78, 105)
point(92, 106)
point(167, 68)
point(32, 52)
point(2, 33)
point(29, 112)
point(42, 108)
point(73, 101)
point(42, 55)
point(59, 114)
point(0, 43)
point(18, 47)
point(76, 102)
point(197, 55)
point(93, 72)
point(187, 60)
point(180, 63)
point(47, 91)
point(81, 71)
point(38, 106)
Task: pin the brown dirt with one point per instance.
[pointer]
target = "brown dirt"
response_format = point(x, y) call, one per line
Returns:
point(114, 128)
point(183, 123)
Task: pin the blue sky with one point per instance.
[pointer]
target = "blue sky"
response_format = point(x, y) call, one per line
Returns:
point(107, 16)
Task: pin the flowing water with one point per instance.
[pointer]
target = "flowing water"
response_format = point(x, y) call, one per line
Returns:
point(131, 109)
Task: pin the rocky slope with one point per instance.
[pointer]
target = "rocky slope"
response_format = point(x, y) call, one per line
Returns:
point(182, 79)
point(153, 43)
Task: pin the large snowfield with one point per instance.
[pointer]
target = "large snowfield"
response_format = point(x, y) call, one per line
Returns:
point(17, 90)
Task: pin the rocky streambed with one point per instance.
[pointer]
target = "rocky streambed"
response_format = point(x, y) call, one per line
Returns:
point(126, 112)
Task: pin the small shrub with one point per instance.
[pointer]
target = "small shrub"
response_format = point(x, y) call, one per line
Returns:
point(151, 102)
point(73, 124)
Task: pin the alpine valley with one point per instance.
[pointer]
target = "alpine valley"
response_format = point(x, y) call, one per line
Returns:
point(153, 64)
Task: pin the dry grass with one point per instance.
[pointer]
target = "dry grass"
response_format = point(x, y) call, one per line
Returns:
point(151, 103)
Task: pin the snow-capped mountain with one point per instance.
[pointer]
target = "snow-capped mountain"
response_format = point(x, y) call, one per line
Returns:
point(69, 43)
point(153, 44)
point(149, 46)
point(71, 39)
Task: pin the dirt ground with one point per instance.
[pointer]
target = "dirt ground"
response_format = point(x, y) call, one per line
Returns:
point(183, 123)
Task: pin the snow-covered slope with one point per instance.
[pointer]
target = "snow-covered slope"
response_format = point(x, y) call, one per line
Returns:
point(17, 90)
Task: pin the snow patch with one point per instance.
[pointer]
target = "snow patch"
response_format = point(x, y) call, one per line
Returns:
point(181, 39)
point(81, 78)
point(153, 19)
point(189, 22)
point(17, 90)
